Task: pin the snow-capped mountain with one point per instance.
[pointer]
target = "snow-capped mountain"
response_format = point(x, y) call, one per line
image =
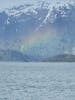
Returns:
point(39, 28)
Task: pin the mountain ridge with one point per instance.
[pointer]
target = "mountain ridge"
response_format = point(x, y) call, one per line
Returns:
point(20, 23)
point(62, 58)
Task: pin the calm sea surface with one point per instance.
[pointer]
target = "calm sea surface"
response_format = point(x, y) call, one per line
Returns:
point(37, 81)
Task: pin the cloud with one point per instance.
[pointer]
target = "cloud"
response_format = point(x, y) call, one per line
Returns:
point(10, 3)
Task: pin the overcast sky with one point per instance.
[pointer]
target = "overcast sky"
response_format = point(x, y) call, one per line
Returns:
point(10, 3)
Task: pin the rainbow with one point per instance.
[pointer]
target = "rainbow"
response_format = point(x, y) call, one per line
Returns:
point(37, 39)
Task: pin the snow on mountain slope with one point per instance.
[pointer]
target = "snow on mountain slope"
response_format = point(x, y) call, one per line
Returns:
point(36, 8)
point(33, 7)
point(26, 6)
point(38, 28)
